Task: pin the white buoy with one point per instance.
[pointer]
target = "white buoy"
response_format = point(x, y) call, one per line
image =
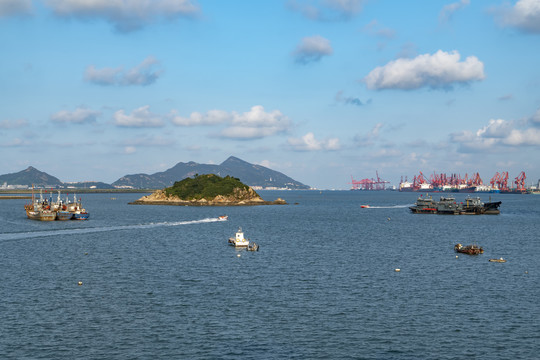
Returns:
point(238, 255)
point(456, 256)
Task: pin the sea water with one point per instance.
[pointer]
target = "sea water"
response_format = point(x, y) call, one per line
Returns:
point(161, 282)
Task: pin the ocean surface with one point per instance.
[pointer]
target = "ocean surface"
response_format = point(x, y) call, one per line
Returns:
point(161, 282)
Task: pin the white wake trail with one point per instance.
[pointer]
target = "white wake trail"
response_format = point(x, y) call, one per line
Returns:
point(34, 234)
point(390, 207)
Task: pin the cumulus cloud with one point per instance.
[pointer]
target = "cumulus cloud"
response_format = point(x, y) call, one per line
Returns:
point(140, 117)
point(15, 7)
point(312, 49)
point(440, 70)
point(448, 10)
point(326, 10)
point(524, 15)
point(309, 143)
point(254, 124)
point(145, 73)
point(211, 117)
point(125, 15)
point(495, 129)
point(78, 116)
point(499, 134)
point(13, 124)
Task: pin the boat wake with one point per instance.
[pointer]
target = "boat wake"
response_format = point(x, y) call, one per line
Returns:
point(390, 207)
point(34, 234)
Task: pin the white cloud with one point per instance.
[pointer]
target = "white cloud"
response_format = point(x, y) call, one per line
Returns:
point(309, 143)
point(13, 124)
point(439, 70)
point(312, 49)
point(253, 124)
point(143, 74)
point(326, 10)
point(125, 15)
point(498, 135)
point(448, 10)
point(78, 116)
point(524, 15)
point(211, 117)
point(495, 129)
point(140, 117)
point(15, 7)
point(256, 123)
point(517, 137)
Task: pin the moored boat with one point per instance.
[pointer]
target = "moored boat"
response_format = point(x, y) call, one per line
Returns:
point(239, 240)
point(469, 249)
point(63, 215)
point(500, 260)
point(48, 210)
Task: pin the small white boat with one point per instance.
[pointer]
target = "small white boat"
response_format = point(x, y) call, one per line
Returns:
point(222, 218)
point(239, 240)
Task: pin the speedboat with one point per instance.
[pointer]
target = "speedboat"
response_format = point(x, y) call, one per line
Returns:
point(364, 206)
point(222, 218)
point(239, 240)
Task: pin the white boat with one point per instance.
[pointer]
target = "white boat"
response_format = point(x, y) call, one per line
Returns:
point(222, 218)
point(239, 240)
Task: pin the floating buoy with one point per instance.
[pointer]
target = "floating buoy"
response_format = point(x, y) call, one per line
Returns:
point(397, 270)
point(79, 283)
point(456, 256)
point(238, 255)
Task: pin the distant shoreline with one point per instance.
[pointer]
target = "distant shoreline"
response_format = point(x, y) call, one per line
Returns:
point(78, 191)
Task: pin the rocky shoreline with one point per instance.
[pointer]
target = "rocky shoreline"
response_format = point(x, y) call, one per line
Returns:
point(249, 198)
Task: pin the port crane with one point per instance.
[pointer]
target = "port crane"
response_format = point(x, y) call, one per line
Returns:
point(369, 184)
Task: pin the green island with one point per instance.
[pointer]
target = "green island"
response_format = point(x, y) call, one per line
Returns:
point(207, 190)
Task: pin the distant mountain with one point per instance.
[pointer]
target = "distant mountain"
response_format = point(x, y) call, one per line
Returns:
point(250, 174)
point(39, 179)
point(30, 176)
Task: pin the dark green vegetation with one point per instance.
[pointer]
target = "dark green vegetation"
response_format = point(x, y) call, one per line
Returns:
point(205, 187)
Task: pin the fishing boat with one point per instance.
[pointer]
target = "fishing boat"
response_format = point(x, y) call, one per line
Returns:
point(448, 205)
point(43, 209)
point(239, 240)
point(469, 249)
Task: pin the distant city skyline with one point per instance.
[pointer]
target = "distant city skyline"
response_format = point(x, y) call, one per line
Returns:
point(319, 90)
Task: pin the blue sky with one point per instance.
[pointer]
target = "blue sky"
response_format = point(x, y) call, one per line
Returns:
point(319, 90)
